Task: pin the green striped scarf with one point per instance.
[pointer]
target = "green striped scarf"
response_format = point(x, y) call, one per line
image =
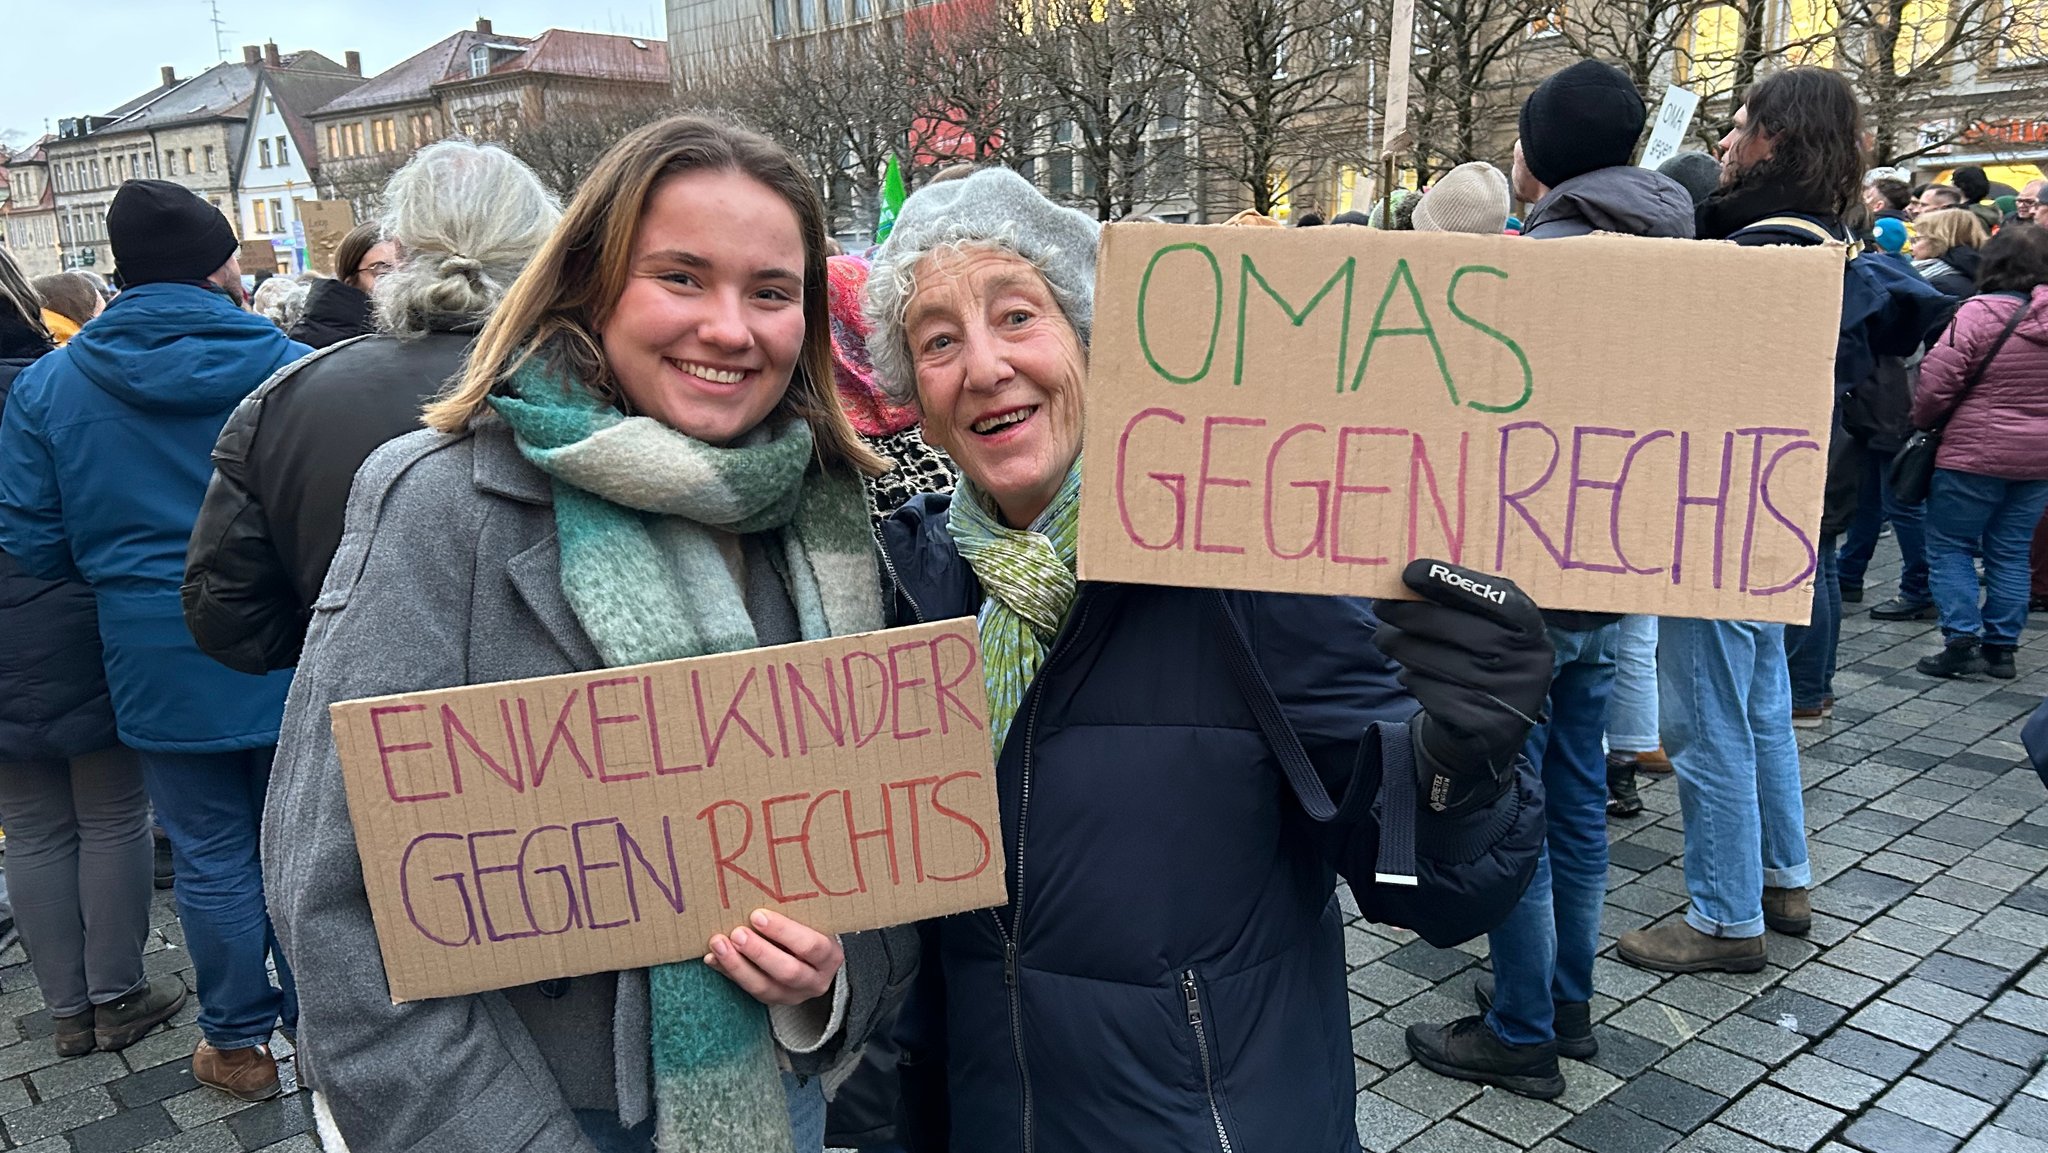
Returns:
point(636, 508)
point(1028, 575)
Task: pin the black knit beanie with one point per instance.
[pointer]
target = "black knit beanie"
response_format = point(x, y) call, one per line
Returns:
point(1585, 117)
point(164, 231)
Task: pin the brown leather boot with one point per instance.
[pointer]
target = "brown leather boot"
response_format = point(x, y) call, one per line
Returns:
point(1789, 911)
point(250, 1074)
point(1676, 947)
point(73, 1037)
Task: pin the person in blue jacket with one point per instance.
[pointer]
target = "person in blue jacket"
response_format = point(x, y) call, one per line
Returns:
point(1168, 973)
point(105, 453)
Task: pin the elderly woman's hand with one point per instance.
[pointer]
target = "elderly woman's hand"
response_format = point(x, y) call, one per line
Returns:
point(776, 960)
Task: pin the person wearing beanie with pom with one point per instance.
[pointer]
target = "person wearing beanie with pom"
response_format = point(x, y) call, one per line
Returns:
point(1472, 197)
point(1578, 134)
point(105, 454)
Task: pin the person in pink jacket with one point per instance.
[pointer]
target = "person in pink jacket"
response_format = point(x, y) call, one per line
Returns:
point(1991, 475)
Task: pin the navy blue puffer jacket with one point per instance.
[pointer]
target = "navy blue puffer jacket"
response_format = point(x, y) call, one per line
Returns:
point(53, 687)
point(1169, 972)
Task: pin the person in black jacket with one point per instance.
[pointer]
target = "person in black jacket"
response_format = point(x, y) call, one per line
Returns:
point(1167, 973)
point(71, 796)
point(1945, 251)
point(339, 307)
point(467, 217)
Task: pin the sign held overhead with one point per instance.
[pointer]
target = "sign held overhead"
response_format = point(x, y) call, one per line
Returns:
point(1616, 423)
point(614, 819)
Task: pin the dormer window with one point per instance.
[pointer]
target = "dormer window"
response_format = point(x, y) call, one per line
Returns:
point(479, 61)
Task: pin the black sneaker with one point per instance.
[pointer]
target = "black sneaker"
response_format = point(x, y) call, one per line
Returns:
point(1467, 1050)
point(1572, 1022)
point(1852, 594)
point(1622, 798)
point(1901, 609)
point(1998, 661)
point(1960, 657)
point(119, 1024)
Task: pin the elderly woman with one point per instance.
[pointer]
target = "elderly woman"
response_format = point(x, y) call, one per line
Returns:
point(1169, 971)
point(643, 461)
point(470, 216)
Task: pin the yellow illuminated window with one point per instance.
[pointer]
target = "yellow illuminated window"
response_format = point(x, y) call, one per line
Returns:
point(1708, 64)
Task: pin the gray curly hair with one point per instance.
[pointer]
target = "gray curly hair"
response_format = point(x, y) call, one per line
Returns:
point(994, 209)
point(467, 217)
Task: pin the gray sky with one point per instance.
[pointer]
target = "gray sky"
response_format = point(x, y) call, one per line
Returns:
point(82, 57)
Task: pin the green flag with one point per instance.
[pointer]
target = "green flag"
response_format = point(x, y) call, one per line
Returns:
point(892, 199)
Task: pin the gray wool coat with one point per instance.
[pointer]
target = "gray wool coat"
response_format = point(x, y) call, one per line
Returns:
point(447, 575)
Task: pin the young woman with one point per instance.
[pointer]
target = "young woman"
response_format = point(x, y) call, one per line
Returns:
point(1990, 479)
point(643, 461)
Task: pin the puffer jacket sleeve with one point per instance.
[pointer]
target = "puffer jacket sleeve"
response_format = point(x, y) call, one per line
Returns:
point(1353, 718)
point(240, 603)
point(447, 1075)
point(31, 509)
point(1947, 364)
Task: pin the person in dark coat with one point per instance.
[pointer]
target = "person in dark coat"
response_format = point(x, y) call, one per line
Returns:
point(1168, 973)
point(1945, 251)
point(339, 307)
point(1572, 160)
point(103, 461)
point(71, 795)
point(468, 218)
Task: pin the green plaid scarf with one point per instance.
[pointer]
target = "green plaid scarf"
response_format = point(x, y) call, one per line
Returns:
point(1029, 577)
point(636, 507)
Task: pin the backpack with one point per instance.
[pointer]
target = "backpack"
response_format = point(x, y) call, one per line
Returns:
point(1887, 309)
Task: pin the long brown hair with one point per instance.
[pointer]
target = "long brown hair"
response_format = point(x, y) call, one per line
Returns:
point(560, 303)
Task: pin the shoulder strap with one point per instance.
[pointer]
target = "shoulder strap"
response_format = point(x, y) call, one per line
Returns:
point(1977, 373)
point(1396, 860)
point(1797, 224)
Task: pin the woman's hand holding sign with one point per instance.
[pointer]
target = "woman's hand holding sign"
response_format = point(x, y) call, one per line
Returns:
point(776, 960)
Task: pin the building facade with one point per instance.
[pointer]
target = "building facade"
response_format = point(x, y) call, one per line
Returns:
point(279, 163)
point(193, 132)
point(28, 223)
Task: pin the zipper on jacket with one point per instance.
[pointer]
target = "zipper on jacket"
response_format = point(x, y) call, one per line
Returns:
point(1193, 992)
point(1015, 932)
point(882, 549)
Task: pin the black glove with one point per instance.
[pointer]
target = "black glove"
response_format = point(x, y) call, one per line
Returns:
point(1475, 654)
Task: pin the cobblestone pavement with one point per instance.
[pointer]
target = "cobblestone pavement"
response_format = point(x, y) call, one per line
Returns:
point(1913, 1020)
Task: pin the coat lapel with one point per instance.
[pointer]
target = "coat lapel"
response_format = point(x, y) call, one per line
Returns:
point(536, 572)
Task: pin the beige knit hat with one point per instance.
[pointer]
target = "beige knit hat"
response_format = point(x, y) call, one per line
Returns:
point(1470, 198)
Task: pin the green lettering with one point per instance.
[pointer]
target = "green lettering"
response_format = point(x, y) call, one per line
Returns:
point(1528, 377)
point(1249, 272)
point(1402, 277)
point(1215, 321)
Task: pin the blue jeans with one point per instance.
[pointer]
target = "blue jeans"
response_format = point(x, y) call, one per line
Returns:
point(211, 807)
point(1728, 730)
point(1632, 723)
point(1909, 529)
point(1859, 543)
point(1543, 951)
point(1967, 514)
point(1810, 648)
point(806, 1122)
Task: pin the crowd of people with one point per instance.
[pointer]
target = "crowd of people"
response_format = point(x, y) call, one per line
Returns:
point(512, 438)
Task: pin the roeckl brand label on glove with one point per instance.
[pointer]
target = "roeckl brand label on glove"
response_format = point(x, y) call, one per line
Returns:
point(1456, 579)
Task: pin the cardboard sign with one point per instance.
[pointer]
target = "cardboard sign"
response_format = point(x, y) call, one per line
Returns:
point(327, 222)
point(1674, 116)
point(1617, 423)
point(257, 255)
point(613, 819)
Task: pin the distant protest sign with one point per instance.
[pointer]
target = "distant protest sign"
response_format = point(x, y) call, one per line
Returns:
point(1617, 423)
point(526, 830)
point(326, 222)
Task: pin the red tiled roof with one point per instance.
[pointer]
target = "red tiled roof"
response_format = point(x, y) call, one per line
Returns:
point(414, 77)
point(586, 55)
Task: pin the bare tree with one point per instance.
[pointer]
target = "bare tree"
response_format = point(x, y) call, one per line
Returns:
point(1901, 56)
point(564, 147)
point(972, 98)
point(1466, 75)
point(1278, 86)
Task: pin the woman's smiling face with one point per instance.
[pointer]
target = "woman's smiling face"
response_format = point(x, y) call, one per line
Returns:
point(708, 332)
point(999, 375)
